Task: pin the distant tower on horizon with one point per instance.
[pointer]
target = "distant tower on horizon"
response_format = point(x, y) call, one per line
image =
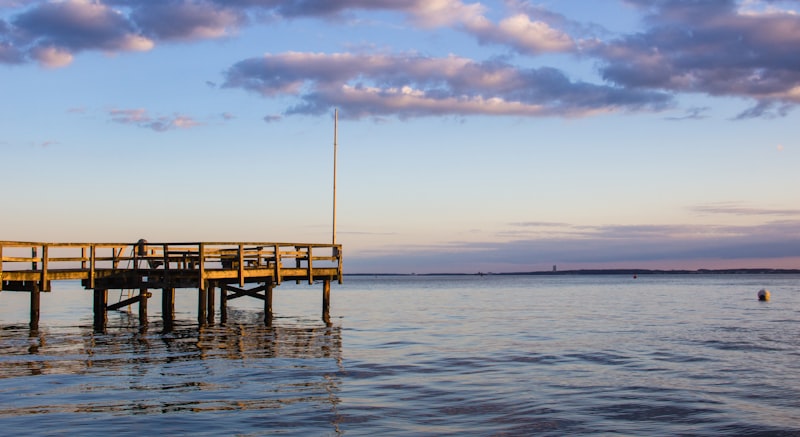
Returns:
point(555, 268)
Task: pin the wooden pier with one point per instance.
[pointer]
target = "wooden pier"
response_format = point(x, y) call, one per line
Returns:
point(235, 269)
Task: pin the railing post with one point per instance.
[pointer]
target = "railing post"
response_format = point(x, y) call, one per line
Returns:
point(92, 256)
point(277, 264)
point(1, 267)
point(241, 265)
point(338, 254)
point(201, 258)
point(45, 283)
point(310, 266)
point(34, 255)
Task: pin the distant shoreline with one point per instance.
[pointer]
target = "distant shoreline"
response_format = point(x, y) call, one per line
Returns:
point(603, 272)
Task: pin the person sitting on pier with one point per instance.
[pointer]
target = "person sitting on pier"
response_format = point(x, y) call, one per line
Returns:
point(141, 253)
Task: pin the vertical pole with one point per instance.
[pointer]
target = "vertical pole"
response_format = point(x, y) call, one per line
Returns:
point(100, 304)
point(268, 286)
point(210, 308)
point(33, 259)
point(168, 307)
point(202, 305)
point(143, 295)
point(335, 129)
point(326, 301)
point(35, 295)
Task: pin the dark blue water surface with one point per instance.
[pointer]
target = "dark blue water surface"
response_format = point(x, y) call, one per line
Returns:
point(445, 355)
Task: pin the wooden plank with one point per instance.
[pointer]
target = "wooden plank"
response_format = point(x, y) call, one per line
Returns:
point(123, 303)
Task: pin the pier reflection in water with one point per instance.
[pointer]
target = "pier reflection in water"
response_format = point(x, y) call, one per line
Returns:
point(148, 380)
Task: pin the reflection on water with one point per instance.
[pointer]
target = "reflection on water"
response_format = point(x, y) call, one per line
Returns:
point(62, 373)
point(666, 355)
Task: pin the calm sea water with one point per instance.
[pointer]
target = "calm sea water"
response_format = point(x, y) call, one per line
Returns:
point(491, 355)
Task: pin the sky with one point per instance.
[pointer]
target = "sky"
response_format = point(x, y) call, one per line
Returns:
point(492, 136)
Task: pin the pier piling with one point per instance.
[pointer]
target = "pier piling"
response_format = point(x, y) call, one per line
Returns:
point(168, 308)
point(100, 308)
point(35, 302)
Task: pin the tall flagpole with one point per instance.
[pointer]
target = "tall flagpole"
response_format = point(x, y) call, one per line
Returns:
point(335, 127)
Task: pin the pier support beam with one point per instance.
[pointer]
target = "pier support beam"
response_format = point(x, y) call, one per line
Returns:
point(268, 287)
point(143, 295)
point(35, 301)
point(210, 308)
point(202, 306)
point(223, 305)
point(326, 301)
point(168, 308)
point(100, 306)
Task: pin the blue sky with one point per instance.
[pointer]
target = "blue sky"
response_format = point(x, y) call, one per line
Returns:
point(473, 136)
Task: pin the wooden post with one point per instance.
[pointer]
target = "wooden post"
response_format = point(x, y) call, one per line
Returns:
point(92, 250)
point(100, 304)
point(326, 300)
point(201, 259)
point(223, 305)
point(268, 286)
point(1, 267)
point(168, 307)
point(202, 305)
point(210, 307)
point(45, 285)
point(241, 265)
point(35, 296)
point(143, 295)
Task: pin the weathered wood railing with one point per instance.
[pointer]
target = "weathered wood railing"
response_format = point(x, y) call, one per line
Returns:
point(28, 266)
point(23, 263)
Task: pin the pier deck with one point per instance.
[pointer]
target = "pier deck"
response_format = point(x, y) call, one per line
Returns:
point(31, 267)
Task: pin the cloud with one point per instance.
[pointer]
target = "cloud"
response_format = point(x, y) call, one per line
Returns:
point(522, 34)
point(736, 208)
point(413, 86)
point(53, 32)
point(141, 118)
point(713, 48)
point(697, 113)
point(181, 20)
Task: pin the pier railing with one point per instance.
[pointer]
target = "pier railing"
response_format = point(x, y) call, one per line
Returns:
point(24, 265)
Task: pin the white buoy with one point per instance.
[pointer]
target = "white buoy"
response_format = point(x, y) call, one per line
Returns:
point(763, 294)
